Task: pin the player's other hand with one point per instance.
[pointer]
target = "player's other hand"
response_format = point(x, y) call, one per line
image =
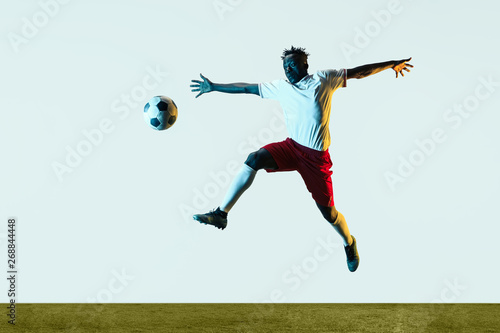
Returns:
point(204, 86)
point(401, 65)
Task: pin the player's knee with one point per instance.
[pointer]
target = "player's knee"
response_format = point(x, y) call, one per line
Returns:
point(329, 213)
point(333, 218)
point(330, 218)
point(253, 160)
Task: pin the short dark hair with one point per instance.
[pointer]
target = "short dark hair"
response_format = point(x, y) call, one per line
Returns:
point(294, 50)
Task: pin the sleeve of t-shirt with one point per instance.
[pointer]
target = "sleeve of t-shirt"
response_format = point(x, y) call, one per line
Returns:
point(336, 77)
point(269, 89)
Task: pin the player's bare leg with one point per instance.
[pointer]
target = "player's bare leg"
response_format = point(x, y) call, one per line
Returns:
point(257, 160)
point(337, 220)
point(260, 159)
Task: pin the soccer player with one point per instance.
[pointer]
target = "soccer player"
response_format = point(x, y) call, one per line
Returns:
point(306, 102)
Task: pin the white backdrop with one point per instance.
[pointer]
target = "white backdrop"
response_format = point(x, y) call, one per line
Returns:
point(103, 203)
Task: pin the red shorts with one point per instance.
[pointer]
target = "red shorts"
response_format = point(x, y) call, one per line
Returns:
point(313, 165)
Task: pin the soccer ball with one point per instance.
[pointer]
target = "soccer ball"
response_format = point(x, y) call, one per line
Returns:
point(160, 113)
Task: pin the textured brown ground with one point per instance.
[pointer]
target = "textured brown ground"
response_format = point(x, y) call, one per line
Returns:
point(181, 318)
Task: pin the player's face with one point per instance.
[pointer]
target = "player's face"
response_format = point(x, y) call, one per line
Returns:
point(295, 67)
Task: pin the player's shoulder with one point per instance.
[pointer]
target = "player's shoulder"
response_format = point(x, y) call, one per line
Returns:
point(274, 83)
point(278, 82)
point(331, 76)
point(326, 73)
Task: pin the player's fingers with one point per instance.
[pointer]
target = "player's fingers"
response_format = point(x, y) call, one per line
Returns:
point(409, 65)
point(204, 78)
point(195, 85)
point(198, 95)
point(406, 69)
point(196, 81)
point(195, 89)
point(408, 59)
point(402, 74)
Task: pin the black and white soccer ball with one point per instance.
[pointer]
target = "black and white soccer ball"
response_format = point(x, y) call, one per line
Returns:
point(160, 113)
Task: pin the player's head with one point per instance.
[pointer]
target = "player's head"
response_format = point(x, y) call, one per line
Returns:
point(295, 63)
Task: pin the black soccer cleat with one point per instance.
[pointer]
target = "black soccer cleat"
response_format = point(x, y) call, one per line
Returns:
point(215, 217)
point(351, 252)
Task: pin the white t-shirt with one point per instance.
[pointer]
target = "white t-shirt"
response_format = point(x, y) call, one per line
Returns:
point(307, 105)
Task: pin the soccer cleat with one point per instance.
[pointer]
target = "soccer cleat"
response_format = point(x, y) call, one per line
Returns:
point(215, 217)
point(351, 252)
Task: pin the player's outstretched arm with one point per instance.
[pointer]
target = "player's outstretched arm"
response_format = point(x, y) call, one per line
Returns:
point(363, 71)
point(206, 86)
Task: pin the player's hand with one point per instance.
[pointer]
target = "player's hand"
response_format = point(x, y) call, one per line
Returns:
point(401, 65)
point(202, 86)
